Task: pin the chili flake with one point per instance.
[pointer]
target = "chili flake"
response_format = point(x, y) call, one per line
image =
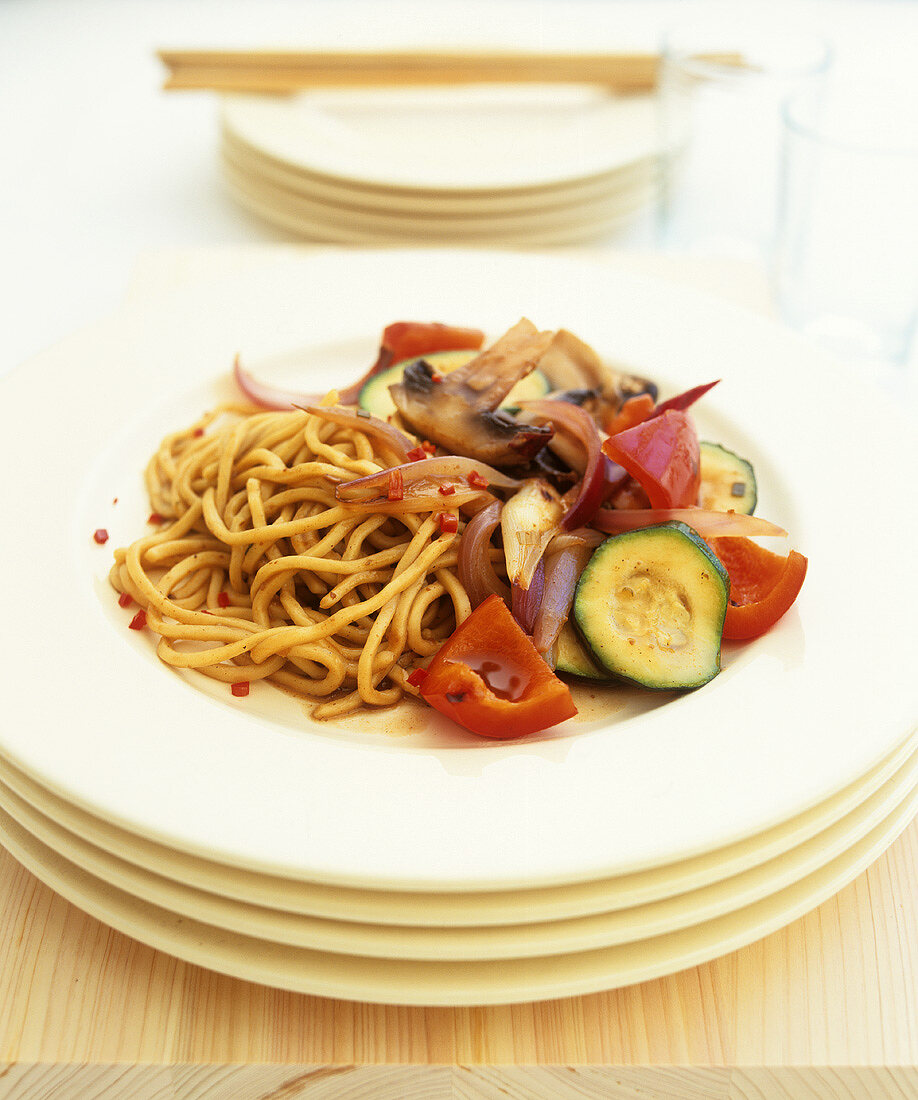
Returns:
point(416, 455)
point(477, 480)
point(446, 490)
point(139, 621)
point(125, 599)
point(396, 486)
point(154, 517)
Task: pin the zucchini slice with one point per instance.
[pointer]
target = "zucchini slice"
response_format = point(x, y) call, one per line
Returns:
point(727, 481)
point(376, 399)
point(650, 606)
point(573, 659)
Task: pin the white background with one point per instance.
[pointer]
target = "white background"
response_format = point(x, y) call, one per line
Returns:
point(98, 164)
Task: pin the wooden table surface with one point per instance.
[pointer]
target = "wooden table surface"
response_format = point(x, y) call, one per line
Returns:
point(825, 1008)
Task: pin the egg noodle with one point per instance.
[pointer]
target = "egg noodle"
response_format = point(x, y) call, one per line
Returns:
point(257, 572)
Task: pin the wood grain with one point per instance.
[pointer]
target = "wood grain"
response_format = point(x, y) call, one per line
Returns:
point(837, 988)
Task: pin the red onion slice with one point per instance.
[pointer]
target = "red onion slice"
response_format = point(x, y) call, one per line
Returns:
point(525, 602)
point(399, 443)
point(476, 570)
point(446, 469)
point(562, 572)
point(578, 423)
point(708, 523)
point(275, 397)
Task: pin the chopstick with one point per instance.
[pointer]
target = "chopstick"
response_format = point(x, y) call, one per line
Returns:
point(287, 71)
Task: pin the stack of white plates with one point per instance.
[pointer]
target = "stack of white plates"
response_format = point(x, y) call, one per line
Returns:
point(395, 859)
point(525, 165)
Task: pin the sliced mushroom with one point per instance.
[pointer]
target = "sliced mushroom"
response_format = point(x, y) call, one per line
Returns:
point(459, 411)
point(570, 364)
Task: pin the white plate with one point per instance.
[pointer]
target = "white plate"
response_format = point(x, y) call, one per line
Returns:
point(451, 909)
point(450, 139)
point(403, 800)
point(622, 200)
point(445, 982)
point(430, 942)
point(325, 223)
point(461, 204)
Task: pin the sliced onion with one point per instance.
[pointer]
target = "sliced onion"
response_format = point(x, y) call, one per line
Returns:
point(708, 523)
point(684, 400)
point(274, 397)
point(578, 423)
point(525, 602)
point(528, 522)
point(447, 469)
point(562, 572)
point(399, 443)
point(476, 571)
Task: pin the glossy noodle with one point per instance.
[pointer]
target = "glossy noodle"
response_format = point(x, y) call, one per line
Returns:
point(258, 572)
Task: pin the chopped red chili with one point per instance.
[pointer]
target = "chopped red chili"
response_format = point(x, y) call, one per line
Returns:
point(436, 378)
point(396, 486)
point(223, 599)
point(446, 490)
point(198, 432)
point(449, 523)
point(416, 455)
point(428, 446)
point(477, 480)
point(100, 535)
point(125, 599)
point(139, 621)
point(417, 677)
point(240, 688)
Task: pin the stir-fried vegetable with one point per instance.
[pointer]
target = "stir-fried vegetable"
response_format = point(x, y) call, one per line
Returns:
point(490, 678)
point(589, 482)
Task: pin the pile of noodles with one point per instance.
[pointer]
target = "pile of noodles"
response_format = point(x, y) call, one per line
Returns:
point(258, 572)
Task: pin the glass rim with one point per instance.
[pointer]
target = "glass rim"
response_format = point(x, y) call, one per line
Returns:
point(696, 60)
point(824, 135)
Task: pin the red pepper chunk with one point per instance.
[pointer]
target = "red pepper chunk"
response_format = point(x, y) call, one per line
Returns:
point(139, 621)
point(448, 523)
point(240, 689)
point(489, 677)
point(661, 454)
point(100, 535)
point(416, 454)
point(763, 585)
point(409, 339)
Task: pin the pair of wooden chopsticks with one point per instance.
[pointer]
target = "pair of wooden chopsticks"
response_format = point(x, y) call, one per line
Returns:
point(287, 71)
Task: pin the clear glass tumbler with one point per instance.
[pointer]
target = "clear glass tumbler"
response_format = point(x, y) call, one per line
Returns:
point(846, 262)
point(722, 83)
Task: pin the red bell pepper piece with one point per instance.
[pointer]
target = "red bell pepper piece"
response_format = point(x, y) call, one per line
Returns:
point(489, 677)
point(635, 410)
point(661, 454)
point(763, 585)
point(409, 339)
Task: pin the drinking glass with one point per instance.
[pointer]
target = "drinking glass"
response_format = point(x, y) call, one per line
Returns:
point(721, 86)
point(846, 262)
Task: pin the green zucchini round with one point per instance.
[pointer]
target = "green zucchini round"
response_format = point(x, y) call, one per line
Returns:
point(727, 481)
point(573, 659)
point(650, 607)
point(376, 399)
